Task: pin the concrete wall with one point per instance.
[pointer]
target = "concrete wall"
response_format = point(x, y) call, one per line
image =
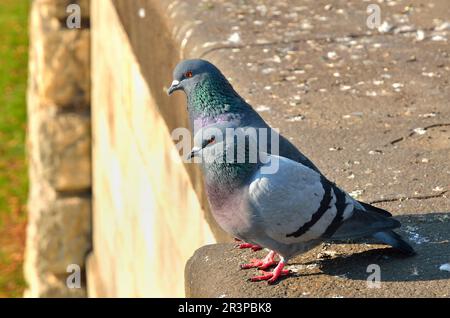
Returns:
point(148, 217)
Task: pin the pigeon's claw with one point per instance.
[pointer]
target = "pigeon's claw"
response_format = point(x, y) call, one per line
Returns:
point(253, 263)
point(272, 277)
point(257, 263)
point(254, 247)
point(265, 263)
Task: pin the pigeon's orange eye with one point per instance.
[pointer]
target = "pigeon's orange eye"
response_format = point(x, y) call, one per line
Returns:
point(188, 74)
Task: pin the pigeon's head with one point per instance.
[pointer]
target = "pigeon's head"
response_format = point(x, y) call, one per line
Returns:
point(201, 141)
point(208, 136)
point(222, 140)
point(189, 72)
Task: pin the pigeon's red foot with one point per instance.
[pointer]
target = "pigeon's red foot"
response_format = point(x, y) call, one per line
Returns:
point(273, 276)
point(265, 263)
point(254, 247)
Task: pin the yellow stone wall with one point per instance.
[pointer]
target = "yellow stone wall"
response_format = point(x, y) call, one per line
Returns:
point(147, 218)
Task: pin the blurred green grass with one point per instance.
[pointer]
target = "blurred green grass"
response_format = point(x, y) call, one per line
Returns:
point(13, 171)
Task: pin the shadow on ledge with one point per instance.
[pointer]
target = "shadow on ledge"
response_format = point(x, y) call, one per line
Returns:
point(334, 270)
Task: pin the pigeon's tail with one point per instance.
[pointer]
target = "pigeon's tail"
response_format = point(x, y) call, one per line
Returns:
point(393, 239)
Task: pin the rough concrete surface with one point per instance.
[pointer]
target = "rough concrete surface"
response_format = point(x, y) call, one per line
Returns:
point(369, 107)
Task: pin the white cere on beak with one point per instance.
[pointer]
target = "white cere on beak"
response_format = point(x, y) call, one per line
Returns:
point(175, 83)
point(193, 153)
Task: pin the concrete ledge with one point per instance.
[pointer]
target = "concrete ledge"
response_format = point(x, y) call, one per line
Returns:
point(337, 270)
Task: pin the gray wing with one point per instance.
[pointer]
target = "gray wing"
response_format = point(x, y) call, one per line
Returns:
point(288, 150)
point(297, 204)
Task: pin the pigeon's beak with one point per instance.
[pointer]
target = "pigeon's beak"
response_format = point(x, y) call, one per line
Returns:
point(194, 153)
point(175, 86)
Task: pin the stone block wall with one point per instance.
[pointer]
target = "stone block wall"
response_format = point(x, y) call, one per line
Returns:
point(59, 149)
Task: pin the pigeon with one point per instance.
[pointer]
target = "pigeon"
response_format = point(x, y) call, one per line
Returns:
point(288, 210)
point(212, 100)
